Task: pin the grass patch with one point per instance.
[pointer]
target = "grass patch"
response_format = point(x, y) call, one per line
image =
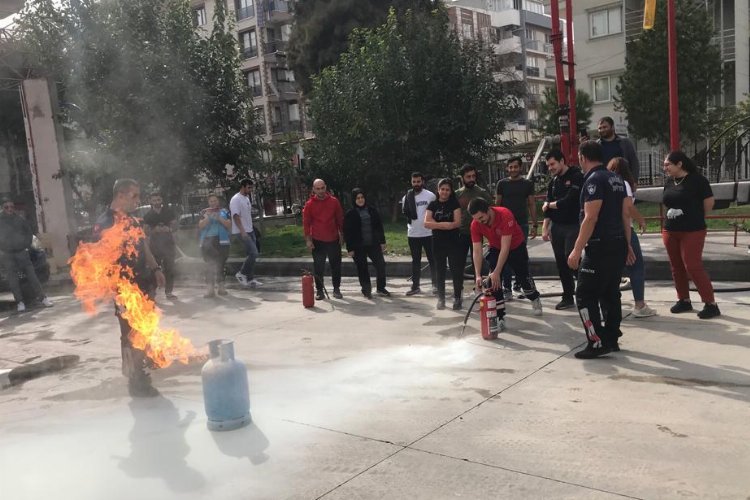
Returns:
point(287, 241)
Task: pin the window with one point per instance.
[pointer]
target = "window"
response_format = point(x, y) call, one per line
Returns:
point(260, 119)
point(604, 88)
point(467, 31)
point(245, 9)
point(293, 111)
point(248, 44)
point(605, 22)
point(284, 75)
point(254, 83)
point(199, 16)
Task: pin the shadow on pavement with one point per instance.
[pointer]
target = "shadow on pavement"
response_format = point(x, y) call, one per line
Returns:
point(247, 442)
point(158, 448)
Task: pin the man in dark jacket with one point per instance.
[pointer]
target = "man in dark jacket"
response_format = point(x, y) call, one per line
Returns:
point(365, 237)
point(322, 221)
point(15, 242)
point(613, 146)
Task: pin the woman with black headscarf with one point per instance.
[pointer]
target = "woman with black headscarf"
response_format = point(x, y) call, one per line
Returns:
point(365, 237)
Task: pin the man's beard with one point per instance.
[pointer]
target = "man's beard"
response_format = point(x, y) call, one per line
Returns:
point(470, 184)
point(417, 189)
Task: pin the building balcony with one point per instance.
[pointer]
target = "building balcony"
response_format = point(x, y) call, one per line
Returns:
point(273, 46)
point(539, 46)
point(279, 11)
point(534, 100)
point(245, 13)
point(286, 127)
point(532, 71)
point(248, 52)
point(508, 45)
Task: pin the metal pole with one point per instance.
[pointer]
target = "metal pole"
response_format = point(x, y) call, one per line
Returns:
point(571, 84)
point(674, 112)
point(562, 98)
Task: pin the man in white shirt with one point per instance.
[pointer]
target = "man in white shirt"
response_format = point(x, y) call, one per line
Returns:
point(240, 207)
point(414, 206)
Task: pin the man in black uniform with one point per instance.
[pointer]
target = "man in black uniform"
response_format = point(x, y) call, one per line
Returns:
point(605, 234)
point(146, 274)
point(160, 223)
point(561, 223)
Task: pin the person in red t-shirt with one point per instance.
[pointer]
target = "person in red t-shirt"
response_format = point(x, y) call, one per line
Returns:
point(323, 223)
point(507, 245)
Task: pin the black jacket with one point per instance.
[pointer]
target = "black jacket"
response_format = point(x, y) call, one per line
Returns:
point(409, 208)
point(353, 228)
point(15, 233)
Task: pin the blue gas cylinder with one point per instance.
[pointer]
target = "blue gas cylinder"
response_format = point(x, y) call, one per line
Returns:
point(225, 389)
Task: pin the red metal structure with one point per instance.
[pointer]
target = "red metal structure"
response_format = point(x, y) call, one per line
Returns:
point(566, 89)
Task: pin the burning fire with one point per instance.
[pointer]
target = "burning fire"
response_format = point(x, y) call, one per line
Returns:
point(100, 276)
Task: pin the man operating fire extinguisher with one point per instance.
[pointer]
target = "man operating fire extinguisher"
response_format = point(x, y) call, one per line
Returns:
point(507, 244)
point(142, 269)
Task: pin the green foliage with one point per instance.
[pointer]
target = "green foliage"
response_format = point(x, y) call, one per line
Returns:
point(142, 93)
point(406, 96)
point(548, 118)
point(322, 28)
point(643, 91)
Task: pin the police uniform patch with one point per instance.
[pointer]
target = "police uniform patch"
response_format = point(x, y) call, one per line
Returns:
point(591, 189)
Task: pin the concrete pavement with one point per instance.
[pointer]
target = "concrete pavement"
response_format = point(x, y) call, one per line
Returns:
point(384, 399)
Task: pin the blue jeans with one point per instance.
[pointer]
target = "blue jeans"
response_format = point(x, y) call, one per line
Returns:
point(251, 250)
point(637, 271)
point(507, 274)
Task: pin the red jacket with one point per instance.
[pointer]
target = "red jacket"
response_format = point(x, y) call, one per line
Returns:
point(323, 219)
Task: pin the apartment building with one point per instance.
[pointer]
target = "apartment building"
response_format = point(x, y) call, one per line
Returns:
point(520, 32)
point(603, 28)
point(263, 28)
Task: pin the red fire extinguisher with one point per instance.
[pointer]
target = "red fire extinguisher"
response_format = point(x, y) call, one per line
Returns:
point(488, 316)
point(308, 297)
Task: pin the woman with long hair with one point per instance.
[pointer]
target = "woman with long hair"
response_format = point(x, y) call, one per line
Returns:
point(688, 198)
point(215, 226)
point(621, 166)
point(443, 216)
point(365, 237)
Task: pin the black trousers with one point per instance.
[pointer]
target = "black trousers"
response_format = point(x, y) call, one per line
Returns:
point(321, 251)
point(448, 250)
point(518, 262)
point(415, 246)
point(375, 254)
point(563, 240)
point(599, 288)
point(163, 248)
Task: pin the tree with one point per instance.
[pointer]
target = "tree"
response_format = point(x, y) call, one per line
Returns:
point(407, 96)
point(643, 91)
point(322, 28)
point(548, 117)
point(142, 93)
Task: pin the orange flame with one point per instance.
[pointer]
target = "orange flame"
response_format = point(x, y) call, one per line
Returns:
point(100, 275)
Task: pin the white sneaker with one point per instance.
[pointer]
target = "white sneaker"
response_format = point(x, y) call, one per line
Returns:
point(241, 278)
point(536, 305)
point(46, 302)
point(643, 312)
point(253, 283)
point(21, 307)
